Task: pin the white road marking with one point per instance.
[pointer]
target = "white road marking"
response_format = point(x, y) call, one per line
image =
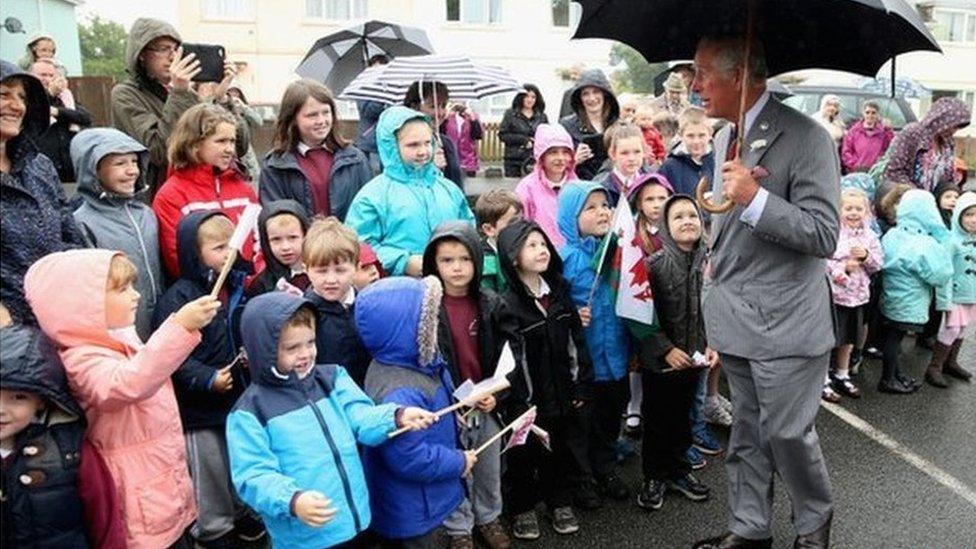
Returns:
point(932, 470)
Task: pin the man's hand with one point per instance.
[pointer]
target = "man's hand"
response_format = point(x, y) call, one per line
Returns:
point(230, 71)
point(486, 404)
point(738, 185)
point(470, 458)
point(314, 509)
point(678, 359)
point(183, 69)
point(586, 316)
point(224, 381)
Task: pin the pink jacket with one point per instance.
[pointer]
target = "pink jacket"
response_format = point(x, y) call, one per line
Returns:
point(854, 289)
point(863, 147)
point(125, 390)
point(539, 199)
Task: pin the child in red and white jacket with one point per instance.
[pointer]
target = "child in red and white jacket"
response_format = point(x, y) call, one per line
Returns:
point(858, 256)
point(204, 176)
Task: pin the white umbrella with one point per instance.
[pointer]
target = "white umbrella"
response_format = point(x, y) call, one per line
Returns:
point(465, 80)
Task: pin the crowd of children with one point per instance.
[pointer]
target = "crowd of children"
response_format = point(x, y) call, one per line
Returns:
point(292, 384)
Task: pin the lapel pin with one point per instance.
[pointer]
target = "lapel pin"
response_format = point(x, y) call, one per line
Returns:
point(764, 126)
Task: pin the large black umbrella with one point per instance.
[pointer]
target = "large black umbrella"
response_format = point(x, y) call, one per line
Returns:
point(338, 58)
point(857, 36)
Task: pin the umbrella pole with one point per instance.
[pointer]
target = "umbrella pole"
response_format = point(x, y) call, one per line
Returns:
point(893, 76)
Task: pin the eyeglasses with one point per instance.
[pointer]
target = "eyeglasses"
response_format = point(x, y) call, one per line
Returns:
point(161, 50)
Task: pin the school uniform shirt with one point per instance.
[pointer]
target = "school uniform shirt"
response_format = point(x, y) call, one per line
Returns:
point(462, 316)
point(316, 164)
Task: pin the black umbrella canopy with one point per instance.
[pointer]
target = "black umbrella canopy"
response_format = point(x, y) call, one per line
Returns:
point(338, 58)
point(856, 36)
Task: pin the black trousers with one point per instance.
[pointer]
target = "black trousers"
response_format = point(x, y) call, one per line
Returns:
point(668, 399)
point(609, 402)
point(891, 338)
point(534, 474)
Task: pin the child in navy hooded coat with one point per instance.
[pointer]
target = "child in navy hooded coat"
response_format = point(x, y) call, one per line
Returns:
point(416, 478)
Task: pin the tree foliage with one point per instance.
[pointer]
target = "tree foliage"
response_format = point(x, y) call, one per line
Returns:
point(102, 47)
point(637, 75)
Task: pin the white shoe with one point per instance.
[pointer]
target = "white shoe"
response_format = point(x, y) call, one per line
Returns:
point(716, 414)
point(725, 402)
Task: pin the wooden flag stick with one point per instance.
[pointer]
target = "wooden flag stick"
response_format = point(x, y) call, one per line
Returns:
point(507, 428)
point(456, 406)
point(224, 271)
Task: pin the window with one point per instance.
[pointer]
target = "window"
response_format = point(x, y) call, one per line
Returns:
point(482, 12)
point(336, 10)
point(491, 109)
point(955, 26)
point(238, 10)
point(566, 13)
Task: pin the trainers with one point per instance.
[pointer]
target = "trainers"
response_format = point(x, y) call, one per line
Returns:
point(632, 427)
point(614, 488)
point(494, 535)
point(715, 412)
point(462, 542)
point(249, 528)
point(689, 486)
point(586, 496)
point(564, 521)
point(695, 458)
point(526, 526)
point(651, 495)
point(705, 443)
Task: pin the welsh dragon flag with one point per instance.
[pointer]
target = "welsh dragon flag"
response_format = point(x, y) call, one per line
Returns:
point(622, 261)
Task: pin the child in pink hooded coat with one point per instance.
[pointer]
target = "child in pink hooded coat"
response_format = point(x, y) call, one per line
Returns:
point(555, 166)
point(858, 256)
point(85, 302)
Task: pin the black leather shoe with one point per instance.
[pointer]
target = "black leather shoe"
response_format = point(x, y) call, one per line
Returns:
point(818, 539)
point(729, 540)
point(894, 387)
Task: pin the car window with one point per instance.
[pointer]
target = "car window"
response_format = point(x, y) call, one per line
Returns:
point(850, 107)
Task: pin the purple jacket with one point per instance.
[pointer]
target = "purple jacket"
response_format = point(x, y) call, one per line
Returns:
point(863, 147)
point(853, 289)
point(465, 138)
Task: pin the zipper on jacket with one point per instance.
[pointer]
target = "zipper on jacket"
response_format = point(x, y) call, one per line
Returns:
point(217, 182)
point(338, 459)
point(145, 252)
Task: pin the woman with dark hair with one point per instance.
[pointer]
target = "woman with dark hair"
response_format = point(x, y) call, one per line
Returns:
point(309, 161)
point(34, 216)
point(595, 109)
point(430, 98)
point(517, 129)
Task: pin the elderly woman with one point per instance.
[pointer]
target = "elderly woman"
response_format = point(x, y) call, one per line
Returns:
point(517, 129)
point(34, 215)
point(829, 117)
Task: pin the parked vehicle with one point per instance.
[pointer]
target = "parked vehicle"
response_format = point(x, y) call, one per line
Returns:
point(895, 111)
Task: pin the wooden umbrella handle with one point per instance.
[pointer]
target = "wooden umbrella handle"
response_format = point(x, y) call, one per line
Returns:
point(707, 204)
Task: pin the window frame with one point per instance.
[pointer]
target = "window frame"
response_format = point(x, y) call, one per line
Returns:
point(351, 4)
point(461, 12)
point(574, 12)
point(223, 18)
point(968, 25)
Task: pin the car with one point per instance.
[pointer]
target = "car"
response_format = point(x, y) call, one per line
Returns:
point(894, 110)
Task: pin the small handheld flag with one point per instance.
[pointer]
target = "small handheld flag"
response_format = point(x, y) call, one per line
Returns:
point(245, 227)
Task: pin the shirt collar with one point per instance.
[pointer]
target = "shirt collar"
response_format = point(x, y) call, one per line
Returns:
point(753, 113)
point(544, 289)
point(303, 149)
point(350, 298)
point(555, 185)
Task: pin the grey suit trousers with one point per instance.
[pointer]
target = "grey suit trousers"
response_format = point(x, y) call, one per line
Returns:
point(775, 404)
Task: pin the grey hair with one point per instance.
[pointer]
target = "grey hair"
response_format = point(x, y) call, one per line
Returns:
point(731, 56)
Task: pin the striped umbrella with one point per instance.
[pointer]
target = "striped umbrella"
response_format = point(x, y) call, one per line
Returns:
point(465, 80)
point(337, 58)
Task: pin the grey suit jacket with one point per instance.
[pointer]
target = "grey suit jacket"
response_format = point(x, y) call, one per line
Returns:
point(766, 294)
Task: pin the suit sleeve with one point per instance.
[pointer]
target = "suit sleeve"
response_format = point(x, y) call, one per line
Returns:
point(809, 222)
point(104, 380)
point(370, 423)
point(411, 457)
point(254, 468)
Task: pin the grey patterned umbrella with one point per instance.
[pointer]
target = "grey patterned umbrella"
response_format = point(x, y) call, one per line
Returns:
point(338, 58)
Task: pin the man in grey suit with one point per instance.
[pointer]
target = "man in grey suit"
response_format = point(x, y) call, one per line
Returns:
point(766, 299)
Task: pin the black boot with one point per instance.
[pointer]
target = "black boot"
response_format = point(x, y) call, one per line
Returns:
point(729, 540)
point(952, 367)
point(933, 373)
point(818, 539)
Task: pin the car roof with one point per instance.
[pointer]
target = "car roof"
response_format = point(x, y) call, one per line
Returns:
point(839, 90)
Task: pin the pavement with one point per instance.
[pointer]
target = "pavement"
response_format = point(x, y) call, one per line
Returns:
point(919, 491)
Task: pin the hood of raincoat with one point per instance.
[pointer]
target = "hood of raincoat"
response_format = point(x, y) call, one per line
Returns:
point(187, 250)
point(397, 320)
point(917, 211)
point(946, 113)
point(261, 324)
point(66, 290)
point(389, 124)
point(144, 30)
point(551, 136)
point(272, 209)
point(595, 78)
point(510, 242)
point(465, 234)
point(32, 39)
point(571, 201)
point(38, 115)
point(664, 231)
point(642, 180)
point(966, 200)
point(89, 147)
point(30, 363)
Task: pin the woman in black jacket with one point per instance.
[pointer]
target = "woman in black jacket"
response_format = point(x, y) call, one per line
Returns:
point(595, 108)
point(517, 129)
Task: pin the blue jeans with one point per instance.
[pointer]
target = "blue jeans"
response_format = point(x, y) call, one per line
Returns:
point(699, 429)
